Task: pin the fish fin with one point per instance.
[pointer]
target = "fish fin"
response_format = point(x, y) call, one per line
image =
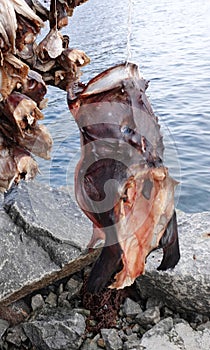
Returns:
point(105, 266)
point(170, 244)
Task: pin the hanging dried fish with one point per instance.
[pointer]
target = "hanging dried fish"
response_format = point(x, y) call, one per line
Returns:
point(22, 88)
point(7, 165)
point(51, 46)
point(71, 4)
point(22, 111)
point(23, 9)
point(8, 26)
point(26, 36)
point(70, 56)
point(27, 167)
point(15, 164)
point(13, 73)
point(39, 9)
point(121, 183)
point(34, 87)
point(37, 140)
point(54, 44)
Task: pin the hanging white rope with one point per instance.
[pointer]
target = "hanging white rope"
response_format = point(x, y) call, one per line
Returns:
point(129, 27)
point(56, 16)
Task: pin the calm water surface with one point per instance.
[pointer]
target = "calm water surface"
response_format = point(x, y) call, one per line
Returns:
point(170, 41)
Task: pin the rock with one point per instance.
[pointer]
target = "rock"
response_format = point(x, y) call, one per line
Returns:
point(131, 308)
point(152, 302)
point(133, 342)
point(186, 287)
point(51, 299)
point(149, 317)
point(128, 331)
point(16, 336)
point(84, 312)
point(92, 344)
point(202, 326)
point(180, 336)
point(37, 302)
point(46, 212)
point(73, 286)
point(162, 327)
point(42, 239)
point(62, 299)
point(56, 329)
point(60, 289)
point(101, 343)
point(136, 328)
point(22, 261)
point(3, 327)
point(167, 312)
point(111, 339)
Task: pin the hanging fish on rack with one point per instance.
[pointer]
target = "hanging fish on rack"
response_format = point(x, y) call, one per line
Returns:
point(121, 183)
point(26, 66)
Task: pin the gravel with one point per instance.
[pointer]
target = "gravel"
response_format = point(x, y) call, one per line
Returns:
point(57, 321)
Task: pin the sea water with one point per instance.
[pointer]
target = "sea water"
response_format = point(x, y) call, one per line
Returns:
point(170, 41)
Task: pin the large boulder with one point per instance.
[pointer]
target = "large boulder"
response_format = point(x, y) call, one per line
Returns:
point(43, 238)
point(56, 329)
point(167, 335)
point(186, 288)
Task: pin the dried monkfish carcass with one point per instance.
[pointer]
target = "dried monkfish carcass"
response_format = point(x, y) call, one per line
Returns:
point(22, 8)
point(51, 46)
point(28, 28)
point(70, 56)
point(13, 74)
point(121, 183)
point(63, 71)
point(15, 164)
point(21, 110)
point(64, 78)
point(7, 165)
point(71, 4)
point(25, 39)
point(70, 62)
point(8, 26)
point(21, 114)
point(39, 9)
point(27, 167)
point(37, 140)
point(60, 10)
point(35, 88)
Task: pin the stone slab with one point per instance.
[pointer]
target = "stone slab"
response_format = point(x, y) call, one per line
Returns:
point(43, 239)
point(46, 212)
point(186, 288)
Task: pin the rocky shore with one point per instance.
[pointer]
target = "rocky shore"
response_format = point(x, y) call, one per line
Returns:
point(43, 269)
